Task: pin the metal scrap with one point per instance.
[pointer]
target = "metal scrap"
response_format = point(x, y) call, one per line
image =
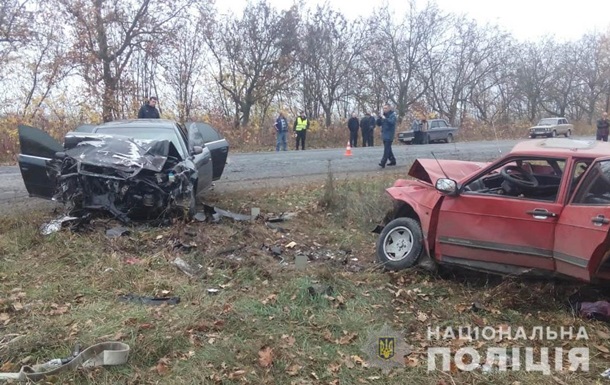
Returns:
point(116, 232)
point(56, 224)
point(154, 301)
point(185, 267)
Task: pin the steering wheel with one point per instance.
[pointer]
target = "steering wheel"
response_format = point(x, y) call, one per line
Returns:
point(519, 177)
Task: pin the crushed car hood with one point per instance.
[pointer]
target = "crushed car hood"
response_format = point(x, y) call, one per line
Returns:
point(123, 154)
point(429, 170)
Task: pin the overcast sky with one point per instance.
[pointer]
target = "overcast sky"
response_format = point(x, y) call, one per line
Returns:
point(525, 19)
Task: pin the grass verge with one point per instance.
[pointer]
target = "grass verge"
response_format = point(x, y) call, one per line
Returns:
point(263, 326)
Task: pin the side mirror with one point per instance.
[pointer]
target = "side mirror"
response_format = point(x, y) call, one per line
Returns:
point(447, 186)
point(197, 150)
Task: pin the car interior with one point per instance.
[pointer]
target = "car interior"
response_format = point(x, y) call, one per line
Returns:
point(596, 188)
point(534, 178)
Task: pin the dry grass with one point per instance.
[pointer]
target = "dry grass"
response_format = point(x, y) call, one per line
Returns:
point(62, 289)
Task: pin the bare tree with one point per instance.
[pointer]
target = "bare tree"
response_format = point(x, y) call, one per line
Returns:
point(15, 22)
point(328, 52)
point(253, 55)
point(107, 33)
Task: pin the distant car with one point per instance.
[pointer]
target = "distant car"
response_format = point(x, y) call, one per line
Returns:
point(551, 127)
point(543, 209)
point(129, 167)
point(438, 131)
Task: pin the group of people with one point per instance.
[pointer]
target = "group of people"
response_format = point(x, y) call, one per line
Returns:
point(300, 126)
point(367, 126)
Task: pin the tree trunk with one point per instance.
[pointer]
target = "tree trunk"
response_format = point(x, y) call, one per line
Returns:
point(109, 93)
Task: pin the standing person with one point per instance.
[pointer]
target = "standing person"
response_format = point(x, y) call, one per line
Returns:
point(416, 128)
point(365, 128)
point(301, 124)
point(149, 109)
point(352, 125)
point(387, 121)
point(425, 139)
point(281, 129)
point(372, 131)
point(603, 126)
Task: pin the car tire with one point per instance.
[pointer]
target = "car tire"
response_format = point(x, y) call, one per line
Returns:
point(449, 138)
point(404, 233)
point(554, 134)
point(568, 133)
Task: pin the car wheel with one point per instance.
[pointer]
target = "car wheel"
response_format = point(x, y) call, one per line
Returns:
point(554, 134)
point(533, 136)
point(400, 244)
point(449, 138)
point(568, 133)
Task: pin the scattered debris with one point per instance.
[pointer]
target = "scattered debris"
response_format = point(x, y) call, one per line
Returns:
point(213, 291)
point(291, 245)
point(200, 217)
point(276, 227)
point(56, 224)
point(178, 244)
point(154, 301)
point(316, 290)
point(116, 232)
point(599, 310)
point(216, 213)
point(185, 267)
point(606, 373)
point(282, 217)
point(255, 212)
point(133, 261)
point(300, 261)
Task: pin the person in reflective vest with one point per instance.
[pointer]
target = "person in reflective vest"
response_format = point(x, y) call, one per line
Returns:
point(301, 124)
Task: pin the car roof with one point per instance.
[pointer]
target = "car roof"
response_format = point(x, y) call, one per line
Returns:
point(563, 147)
point(138, 123)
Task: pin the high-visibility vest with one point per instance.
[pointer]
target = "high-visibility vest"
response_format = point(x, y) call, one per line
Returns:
point(301, 124)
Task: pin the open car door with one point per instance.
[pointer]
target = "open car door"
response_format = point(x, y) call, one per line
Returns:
point(218, 146)
point(581, 235)
point(37, 149)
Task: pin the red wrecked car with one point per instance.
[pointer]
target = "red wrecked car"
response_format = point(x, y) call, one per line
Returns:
point(542, 209)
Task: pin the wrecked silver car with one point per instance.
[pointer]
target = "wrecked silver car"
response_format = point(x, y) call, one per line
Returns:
point(133, 168)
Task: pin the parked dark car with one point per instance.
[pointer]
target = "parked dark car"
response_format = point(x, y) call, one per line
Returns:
point(129, 167)
point(438, 131)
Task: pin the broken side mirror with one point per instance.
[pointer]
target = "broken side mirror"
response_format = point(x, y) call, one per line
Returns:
point(197, 150)
point(447, 186)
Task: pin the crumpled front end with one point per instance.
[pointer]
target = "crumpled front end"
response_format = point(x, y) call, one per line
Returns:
point(126, 179)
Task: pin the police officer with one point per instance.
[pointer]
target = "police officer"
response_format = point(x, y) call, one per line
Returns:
point(387, 121)
point(301, 124)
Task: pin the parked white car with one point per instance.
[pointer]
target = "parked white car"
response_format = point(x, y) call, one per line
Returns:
point(551, 127)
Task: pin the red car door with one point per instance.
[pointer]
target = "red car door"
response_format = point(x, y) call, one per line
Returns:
point(581, 235)
point(489, 228)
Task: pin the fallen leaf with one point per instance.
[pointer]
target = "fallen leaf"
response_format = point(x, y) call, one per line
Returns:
point(161, 367)
point(347, 338)
point(270, 299)
point(146, 326)
point(18, 306)
point(421, 317)
point(265, 357)
point(237, 374)
point(602, 348)
point(289, 340)
point(358, 360)
point(603, 335)
point(334, 368)
point(315, 376)
point(293, 370)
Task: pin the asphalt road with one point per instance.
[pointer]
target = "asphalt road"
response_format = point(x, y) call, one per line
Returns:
point(264, 169)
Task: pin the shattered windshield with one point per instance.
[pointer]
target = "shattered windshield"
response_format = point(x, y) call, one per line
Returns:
point(146, 134)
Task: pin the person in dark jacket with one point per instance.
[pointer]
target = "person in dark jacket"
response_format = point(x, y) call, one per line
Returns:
point(387, 122)
point(353, 125)
point(366, 126)
point(281, 129)
point(149, 109)
point(603, 126)
point(372, 131)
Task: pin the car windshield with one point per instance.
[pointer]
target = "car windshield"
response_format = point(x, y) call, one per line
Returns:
point(547, 122)
point(145, 134)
